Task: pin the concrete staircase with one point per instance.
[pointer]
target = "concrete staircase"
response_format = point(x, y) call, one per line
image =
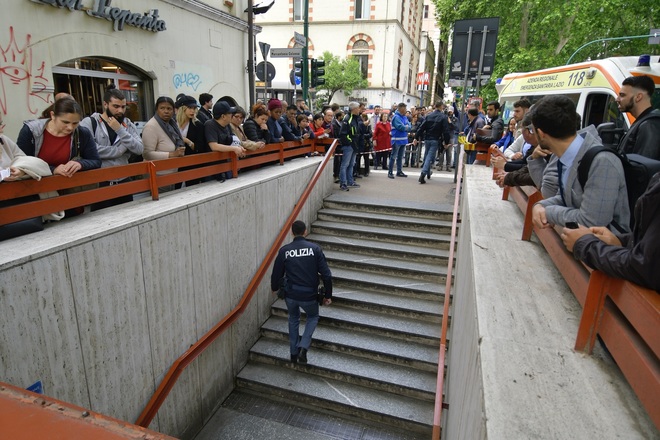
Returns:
point(374, 354)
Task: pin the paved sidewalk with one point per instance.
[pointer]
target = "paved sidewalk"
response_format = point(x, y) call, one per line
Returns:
point(439, 189)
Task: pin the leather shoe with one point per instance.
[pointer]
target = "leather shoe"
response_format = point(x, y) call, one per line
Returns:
point(302, 356)
point(401, 175)
point(421, 179)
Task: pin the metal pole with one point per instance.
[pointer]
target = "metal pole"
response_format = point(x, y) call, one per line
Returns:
point(250, 63)
point(654, 35)
point(266, 78)
point(481, 58)
point(305, 71)
point(465, 83)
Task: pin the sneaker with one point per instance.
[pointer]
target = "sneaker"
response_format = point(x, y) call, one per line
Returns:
point(390, 175)
point(421, 179)
point(446, 168)
point(428, 175)
point(336, 180)
point(353, 185)
point(401, 174)
point(343, 188)
point(294, 358)
point(359, 176)
point(302, 356)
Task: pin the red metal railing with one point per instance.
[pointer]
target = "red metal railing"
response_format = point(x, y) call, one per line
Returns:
point(439, 389)
point(148, 177)
point(200, 346)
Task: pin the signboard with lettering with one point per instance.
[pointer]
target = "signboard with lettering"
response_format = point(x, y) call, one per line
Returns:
point(149, 21)
point(571, 79)
point(286, 52)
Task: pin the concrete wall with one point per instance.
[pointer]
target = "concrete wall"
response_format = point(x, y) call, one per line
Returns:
point(99, 306)
point(512, 372)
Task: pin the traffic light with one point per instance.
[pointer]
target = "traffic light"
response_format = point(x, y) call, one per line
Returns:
point(298, 70)
point(317, 72)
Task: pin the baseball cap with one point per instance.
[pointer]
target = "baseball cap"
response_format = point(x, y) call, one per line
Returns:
point(222, 108)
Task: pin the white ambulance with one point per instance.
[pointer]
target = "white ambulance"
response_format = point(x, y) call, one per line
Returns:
point(593, 86)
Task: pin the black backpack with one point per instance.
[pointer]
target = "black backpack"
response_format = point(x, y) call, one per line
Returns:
point(637, 169)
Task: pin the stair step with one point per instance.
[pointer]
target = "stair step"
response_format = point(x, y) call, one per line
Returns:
point(351, 369)
point(438, 255)
point(396, 207)
point(375, 405)
point(371, 345)
point(385, 220)
point(381, 302)
point(388, 235)
point(435, 273)
point(408, 287)
point(396, 327)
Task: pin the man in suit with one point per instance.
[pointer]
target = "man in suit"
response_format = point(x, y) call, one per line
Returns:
point(604, 199)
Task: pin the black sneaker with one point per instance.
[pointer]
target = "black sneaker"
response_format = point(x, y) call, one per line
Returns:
point(421, 179)
point(428, 175)
point(401, 175)
point(343, 188)
point(390, 175)
point(302, 356)
point(294, 358)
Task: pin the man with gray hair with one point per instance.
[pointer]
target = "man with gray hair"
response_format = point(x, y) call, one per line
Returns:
point(348, 139)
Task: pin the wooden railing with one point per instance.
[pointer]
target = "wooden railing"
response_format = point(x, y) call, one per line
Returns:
point(626, 316)
point(145, 176)
point(203, 343)
point(439, 389)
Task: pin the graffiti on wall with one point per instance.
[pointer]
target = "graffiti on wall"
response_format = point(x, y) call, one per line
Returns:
point(191, 79)
point(18, 68)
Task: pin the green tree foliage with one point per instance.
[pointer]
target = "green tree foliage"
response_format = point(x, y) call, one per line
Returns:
point(342, 75)
point(536, 34)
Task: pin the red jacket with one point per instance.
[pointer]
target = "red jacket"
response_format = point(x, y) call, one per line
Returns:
point(382, 136)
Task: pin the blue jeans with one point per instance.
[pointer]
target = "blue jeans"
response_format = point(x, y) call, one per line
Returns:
point(311, 308)
point(347, 164)
point(429, 155)
point(397, 154)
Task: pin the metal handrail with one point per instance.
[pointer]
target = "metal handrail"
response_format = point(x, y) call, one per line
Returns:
point(204, 164)
point(439, 396)
point(200, 346)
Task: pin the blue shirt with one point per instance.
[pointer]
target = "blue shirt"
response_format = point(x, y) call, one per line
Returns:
point(568, 157)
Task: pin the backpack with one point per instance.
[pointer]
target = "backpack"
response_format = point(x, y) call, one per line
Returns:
point(637, 169)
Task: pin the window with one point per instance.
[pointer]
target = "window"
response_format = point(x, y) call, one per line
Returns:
point(362, 9)
point(426, 11)
point(361, 53)
point(298, 10)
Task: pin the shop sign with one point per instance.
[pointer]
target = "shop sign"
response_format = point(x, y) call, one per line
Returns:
point(149, 21)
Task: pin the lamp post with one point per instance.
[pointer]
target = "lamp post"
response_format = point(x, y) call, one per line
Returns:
point(654, 35)
point(252, 11)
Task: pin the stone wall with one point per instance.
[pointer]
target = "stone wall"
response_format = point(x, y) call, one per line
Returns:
point(99, 306)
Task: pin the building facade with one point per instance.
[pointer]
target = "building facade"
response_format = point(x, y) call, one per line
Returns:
point(385, 36)
point(148, 49)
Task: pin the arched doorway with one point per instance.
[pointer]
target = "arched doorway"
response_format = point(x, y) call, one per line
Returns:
point(86, 80)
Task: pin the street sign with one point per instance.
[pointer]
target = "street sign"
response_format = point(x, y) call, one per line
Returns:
point(265, 47)
point(293, 52)
point(299, 39)
point(259, 71)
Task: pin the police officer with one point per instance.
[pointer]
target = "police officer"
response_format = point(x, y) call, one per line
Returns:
point(299, 263)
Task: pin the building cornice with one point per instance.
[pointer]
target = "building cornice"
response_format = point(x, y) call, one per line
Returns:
point(211, 13)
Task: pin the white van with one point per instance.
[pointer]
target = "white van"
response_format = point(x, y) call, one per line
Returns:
point(593, 86)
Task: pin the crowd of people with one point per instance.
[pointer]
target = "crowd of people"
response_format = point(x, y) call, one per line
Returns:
point(586, 188)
